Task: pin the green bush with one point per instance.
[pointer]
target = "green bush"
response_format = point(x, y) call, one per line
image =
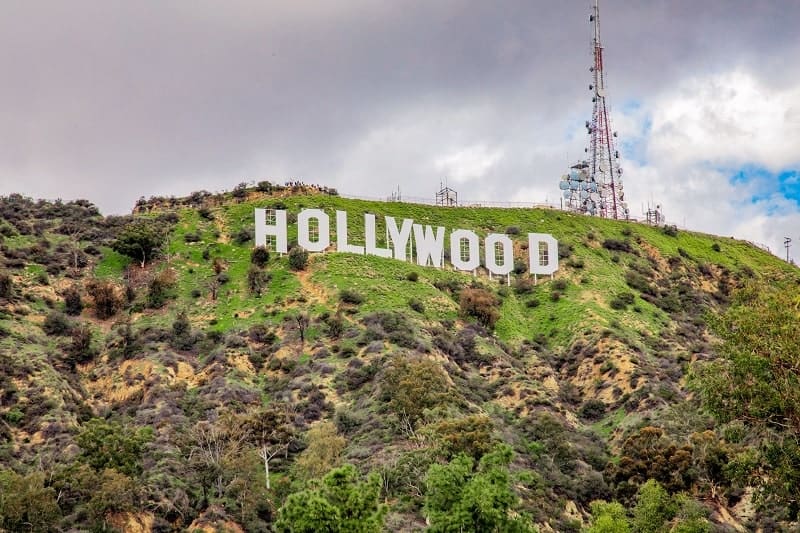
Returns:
point(298, 258)
point(349, 296)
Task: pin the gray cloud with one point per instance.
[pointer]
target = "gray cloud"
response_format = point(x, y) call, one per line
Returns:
point(114, 100)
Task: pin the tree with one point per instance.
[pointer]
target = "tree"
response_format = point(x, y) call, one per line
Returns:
point(26, 504)
point(106, 444)
point(257, 280)
point(343, 503)
point(271, 430)
point(608, 518)
point(412, 386)
point(755, 381)
point(325, 446)
point(460, 497)
point(302, 320)
point(140, 239)
point(653, 509)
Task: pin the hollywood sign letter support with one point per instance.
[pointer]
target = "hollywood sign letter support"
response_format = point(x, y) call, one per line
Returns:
point(428, 242)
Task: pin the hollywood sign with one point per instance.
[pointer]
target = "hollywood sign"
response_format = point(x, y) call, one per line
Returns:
point(406, 241)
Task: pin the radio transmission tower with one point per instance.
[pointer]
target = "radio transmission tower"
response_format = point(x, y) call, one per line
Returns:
point(594, 186)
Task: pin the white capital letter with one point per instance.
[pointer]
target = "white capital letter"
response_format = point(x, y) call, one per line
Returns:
point(369, 237)
point(474, 259)
point(429, 245)
point(278, 230)
point(399, 237)
point(341, 235)
point(508, 254)
point(323, 224)
point(543, 260)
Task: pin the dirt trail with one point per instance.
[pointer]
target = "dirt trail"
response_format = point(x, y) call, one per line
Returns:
point(311, 290)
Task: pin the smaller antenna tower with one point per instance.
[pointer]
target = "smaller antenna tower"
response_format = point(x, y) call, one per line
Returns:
point(396, 196)
point(654, 216)
point(446, 197)
point(787, 243)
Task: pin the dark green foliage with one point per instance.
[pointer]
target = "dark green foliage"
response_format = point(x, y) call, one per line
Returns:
point(412, 276)
point(342, 503)
point(412, 385)
point(108, 444)
point(73, 305)
point(670, 230)
point(259, 256)
point(592, 409)
point(755, 382)
point(192, 237)
point(463, 497)
point(351, 297)
point(560, 284)
point(618, 304)
point(512, 230)
point(240, 191)
point(298, 258)
point(416, 305)
point(141, 240)
point(56, 323)
point(182, 337)
point(716, 247)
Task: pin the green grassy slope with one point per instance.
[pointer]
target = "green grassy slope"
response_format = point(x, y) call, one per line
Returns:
point(572, 367)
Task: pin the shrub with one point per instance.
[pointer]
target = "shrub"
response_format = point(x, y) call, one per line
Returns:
point(257, 280)
point(716, 247)
point(192, 237)
point(56, 323)
point(592, 409)
point(532, 303)
point(106, 296)
point(6, 285)
point(259, 256)
point(560, 284)
point(618, 304)
point(520, 267)
point(205, 213)
point(243, 235)
point(298, 258)
point(412, 276)
point(264, 186)
point(350, 297)
point(512, 230)
point(416, 305)
point(617, 245)
point(480, 304)
point(73, 305)
point(672, 230)
point(159, 287)
point(523, 285)
point(555, 296)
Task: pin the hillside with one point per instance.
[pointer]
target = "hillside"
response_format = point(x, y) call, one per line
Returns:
point(147, 398)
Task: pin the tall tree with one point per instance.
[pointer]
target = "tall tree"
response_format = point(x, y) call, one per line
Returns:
point(140, 240)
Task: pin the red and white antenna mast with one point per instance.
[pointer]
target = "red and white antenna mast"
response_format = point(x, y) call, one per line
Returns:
point(604, 158)
point(594, 186)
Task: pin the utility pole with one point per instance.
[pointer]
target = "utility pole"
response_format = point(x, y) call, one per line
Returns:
point(787, 243)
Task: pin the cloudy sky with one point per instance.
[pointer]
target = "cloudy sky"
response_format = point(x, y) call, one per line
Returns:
point(111, 100)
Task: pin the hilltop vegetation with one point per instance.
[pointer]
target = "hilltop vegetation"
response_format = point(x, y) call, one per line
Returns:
point(158, 372)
